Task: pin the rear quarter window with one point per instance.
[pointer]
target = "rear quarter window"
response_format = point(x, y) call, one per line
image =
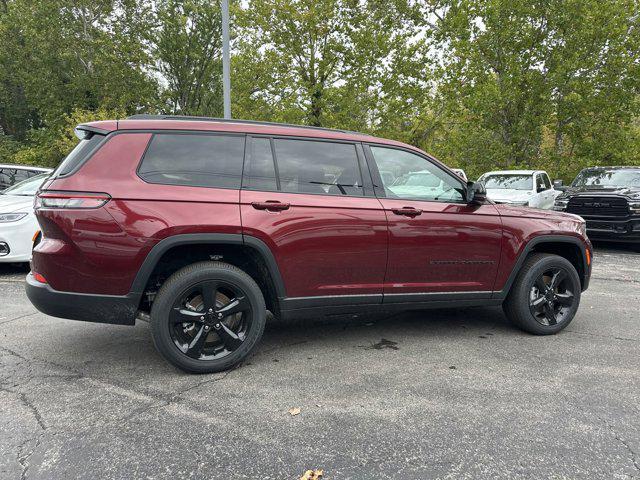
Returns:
point(78, 155)
point(198, 160)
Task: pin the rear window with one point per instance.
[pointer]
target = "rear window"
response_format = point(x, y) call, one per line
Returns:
point(306, 166)
point(194, 159)
point(78, 155)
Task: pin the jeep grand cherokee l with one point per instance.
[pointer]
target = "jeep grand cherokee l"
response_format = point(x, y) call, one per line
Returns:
point(202, 225)
point(608, 198)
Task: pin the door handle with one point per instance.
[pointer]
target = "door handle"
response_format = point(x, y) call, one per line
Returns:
point(407, 211)
point(270, 205)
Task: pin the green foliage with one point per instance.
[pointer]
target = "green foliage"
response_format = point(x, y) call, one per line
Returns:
point(187, 46)
point(482, 84)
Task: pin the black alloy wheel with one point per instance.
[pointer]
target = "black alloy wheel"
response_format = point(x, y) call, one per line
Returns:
point(551, 297)
point(210, 320)
point(545, 295)
point(208, 317)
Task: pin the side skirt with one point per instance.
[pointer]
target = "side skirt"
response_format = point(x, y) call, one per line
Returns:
point(304, 307)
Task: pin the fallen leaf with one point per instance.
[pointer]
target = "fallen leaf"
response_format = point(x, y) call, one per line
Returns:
point(312, 475)
point(294, 411)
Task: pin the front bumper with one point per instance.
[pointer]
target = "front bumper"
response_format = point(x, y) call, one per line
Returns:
point(614, 230)
point(118, 310)
point(18, 237)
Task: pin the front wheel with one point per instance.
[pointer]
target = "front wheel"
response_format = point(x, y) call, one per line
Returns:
point(208, 317)
point(545, 295)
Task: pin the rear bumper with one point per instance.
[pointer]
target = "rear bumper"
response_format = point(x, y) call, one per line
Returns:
point(118, 310)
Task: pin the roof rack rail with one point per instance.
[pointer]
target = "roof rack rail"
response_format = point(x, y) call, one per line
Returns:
point(145, 116)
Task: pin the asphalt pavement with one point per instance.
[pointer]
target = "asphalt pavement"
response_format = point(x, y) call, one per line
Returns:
point(436, 394)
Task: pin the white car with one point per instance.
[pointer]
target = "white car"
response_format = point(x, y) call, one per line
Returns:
point(18, 224)
point(11, 174)
point(531, 188)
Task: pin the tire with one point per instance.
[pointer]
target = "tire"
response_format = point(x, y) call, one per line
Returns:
point(178, 341)
point(528, 295)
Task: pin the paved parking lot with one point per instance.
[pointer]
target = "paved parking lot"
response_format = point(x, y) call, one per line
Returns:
point(455, 394)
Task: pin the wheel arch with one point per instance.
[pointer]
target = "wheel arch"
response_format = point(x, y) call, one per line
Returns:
point(566, 246)
point(244, 251)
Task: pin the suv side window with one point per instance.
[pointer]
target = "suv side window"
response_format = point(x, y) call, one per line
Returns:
point(409, 176)
point(260, 172)
point(547, 182)
point(540, 186)
point(200, 160)
point(307, 166)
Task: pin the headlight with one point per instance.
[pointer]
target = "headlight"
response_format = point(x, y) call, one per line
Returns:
point(634, 207)
point(11, 217)
point(561, 204)
point(582, 229)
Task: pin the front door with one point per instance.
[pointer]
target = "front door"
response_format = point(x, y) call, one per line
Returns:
point(437, 242)
point(322, 222)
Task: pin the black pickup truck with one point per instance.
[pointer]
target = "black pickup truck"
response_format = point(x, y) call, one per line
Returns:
point(608, 198)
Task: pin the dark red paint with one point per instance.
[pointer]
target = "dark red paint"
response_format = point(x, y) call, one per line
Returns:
point(323, 244)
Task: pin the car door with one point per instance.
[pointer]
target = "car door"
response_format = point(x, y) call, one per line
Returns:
point(543, 193)
point(309, 201)
point(438, 244)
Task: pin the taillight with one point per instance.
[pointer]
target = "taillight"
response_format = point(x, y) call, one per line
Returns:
point(52, 199)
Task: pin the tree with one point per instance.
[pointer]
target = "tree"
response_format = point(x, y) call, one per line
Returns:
point(320, 62)
point(187, 45)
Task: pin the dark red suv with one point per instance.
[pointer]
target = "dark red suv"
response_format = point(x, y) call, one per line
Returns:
point(202, 225)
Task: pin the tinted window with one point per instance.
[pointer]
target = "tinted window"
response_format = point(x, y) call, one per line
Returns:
point(260, 173)
point(545, 179)
point(409, 176)
point(195, 160)
point(11, 176)
point(78, 155)
point(27, 187)
point(318, 167)
point(540, 182)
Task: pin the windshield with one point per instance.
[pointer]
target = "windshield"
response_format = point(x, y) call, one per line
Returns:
point(27, 188)
point(508, 182)
point(608, 178)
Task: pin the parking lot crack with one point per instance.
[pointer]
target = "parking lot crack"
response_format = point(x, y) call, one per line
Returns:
point(625, 443)
point(25, 451)
point(18, 318)
point(174, 397)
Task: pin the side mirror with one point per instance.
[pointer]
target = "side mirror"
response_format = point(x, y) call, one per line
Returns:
point(559, 185)
point(476, 193)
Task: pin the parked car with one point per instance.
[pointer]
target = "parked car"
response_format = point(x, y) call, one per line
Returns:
point(202, 225)
point(18, 224)
point(460, 173)
point(529, 188)
point(12, 174)
point(608, 198)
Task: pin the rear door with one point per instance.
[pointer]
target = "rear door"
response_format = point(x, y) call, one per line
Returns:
point(312, 203)
point(438, 244)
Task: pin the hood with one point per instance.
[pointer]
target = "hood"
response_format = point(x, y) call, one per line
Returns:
point(633, 192)
point(508, 195)
point(15, 203)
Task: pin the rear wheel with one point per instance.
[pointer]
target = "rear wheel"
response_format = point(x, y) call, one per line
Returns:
point(545, 295)
point(208, 317)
